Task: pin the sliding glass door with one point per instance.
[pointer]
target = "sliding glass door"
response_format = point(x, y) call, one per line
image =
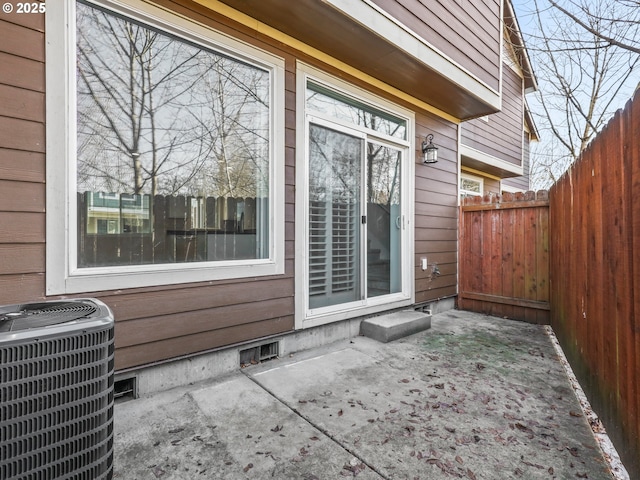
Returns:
point(335, 166)
point(355, 203)
point(383, 219)
point(355, 217)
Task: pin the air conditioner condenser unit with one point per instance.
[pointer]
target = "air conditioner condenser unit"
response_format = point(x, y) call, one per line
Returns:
point(56, 390)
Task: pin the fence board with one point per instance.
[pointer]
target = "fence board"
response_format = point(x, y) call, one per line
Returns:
point(631, 165)
point(507, 258)
point(504, 266)
point(595, 276)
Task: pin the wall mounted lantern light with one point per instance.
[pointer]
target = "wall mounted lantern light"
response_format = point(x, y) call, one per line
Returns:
point(429, 150)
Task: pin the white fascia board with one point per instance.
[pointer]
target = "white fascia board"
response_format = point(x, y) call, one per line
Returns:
point(375, 19)
point(466, 151)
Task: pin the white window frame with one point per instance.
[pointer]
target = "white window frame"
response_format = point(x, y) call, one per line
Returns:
point(306, 317)
point(473, 178)
point(63, 275)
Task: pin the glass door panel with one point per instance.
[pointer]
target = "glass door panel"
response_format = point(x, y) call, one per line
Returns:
point(384, 220)
point(335, 169)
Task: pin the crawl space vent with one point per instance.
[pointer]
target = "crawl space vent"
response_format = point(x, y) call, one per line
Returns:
point(260, 353)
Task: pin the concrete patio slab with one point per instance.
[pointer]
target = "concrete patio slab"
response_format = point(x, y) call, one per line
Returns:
point(475, 397)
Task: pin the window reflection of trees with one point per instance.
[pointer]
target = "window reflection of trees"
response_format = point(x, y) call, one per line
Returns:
point(180, 127)
point(159, 115)
point(383, 163)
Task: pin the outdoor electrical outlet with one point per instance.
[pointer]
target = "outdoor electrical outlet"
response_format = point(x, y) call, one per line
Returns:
point(423, 262)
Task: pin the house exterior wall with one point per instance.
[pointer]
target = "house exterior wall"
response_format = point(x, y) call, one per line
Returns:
point(157, 323)
point(501, 135)
point(436, 213)
point(522, 182)
point(468, 32)
point(22, 158)
point(450, 60)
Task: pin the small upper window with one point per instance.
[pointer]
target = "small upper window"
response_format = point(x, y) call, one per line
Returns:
point(471, 185)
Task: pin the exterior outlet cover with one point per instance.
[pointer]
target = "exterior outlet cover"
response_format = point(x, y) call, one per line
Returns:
point(423, 263)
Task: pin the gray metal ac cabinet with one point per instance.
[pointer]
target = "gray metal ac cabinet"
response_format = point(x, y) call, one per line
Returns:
point(56, 390)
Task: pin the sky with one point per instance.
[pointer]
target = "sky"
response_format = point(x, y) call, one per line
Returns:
point(546, 149)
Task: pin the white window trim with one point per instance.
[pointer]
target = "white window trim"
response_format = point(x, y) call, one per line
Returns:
point(305, 317)
point(473, 178)
point(61, 278)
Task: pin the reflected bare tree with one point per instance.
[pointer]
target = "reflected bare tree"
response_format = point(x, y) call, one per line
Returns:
point(159, 115)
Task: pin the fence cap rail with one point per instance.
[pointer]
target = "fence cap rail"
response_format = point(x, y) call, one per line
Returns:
point(492, 201)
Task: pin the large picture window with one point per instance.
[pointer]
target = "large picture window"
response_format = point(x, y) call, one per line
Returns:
point(173, 156)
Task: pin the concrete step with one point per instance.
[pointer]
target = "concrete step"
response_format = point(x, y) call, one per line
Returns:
point(392, 326)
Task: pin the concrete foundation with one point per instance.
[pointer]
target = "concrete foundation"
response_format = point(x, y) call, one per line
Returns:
point(214, 364)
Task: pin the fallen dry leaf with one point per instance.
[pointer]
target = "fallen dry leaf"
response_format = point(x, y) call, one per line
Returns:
point(573, 451)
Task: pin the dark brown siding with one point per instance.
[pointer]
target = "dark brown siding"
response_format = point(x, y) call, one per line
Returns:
point(466, 31)
point(436, 212)
point(152, 324)
point(22, 160)
point(501, 136)
point(161, 323)
point(158, 323)
point(491, 185)
point(523, 182)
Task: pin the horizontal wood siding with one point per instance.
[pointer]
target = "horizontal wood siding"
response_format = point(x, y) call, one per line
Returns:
point(436, 212)
point(152, 324)
point(491, 185)
point(467, 31)
point(523, 182)
point(155, 324)
point(22, 159)
point(501, 136)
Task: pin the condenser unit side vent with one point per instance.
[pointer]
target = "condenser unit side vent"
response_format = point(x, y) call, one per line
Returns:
point(56, 394)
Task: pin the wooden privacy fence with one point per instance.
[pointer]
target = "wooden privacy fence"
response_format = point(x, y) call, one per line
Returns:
point(504, 256)
point(595, 276)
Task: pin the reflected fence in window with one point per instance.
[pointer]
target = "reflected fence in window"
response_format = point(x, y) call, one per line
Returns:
point(126, 229)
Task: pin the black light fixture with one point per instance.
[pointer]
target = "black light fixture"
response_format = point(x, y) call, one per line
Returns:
point(429, 150)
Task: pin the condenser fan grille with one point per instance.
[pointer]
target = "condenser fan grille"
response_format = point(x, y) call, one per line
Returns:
point(38, 315)
point(56, 394)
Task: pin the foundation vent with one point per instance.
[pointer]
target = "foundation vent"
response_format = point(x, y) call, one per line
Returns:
point(259, 353)
point(125, 389)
